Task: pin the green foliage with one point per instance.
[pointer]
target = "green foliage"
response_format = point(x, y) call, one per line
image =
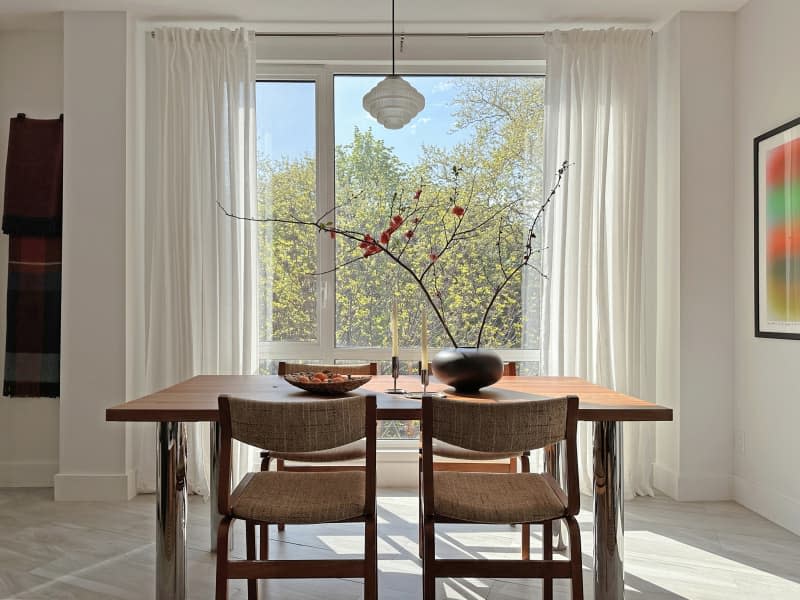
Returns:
point(501, 166)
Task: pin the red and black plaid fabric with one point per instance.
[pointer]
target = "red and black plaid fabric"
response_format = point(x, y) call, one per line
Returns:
point(34, 166)
point(33, 317)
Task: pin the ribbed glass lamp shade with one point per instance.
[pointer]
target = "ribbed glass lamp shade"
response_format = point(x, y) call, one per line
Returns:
point(393, 102)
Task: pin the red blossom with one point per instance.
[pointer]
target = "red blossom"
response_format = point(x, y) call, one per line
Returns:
point(433, 256)
point(367, 241)
point(372, 249)
point(385, 236)
point(409, 234)
point(397, 220)
point(417, 194)
point(457, 210)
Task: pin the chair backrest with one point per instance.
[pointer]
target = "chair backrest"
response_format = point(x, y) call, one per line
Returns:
point(503, 427)
point(287, 368)
point(511, 426)
point(295, 426)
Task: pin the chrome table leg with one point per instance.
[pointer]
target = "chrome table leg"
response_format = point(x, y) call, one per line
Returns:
point(608, 511)
point(554, 465)
point(171, 512)
point(214, 515)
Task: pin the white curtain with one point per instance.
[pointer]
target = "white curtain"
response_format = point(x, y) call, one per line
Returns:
point(199, 275)
point(596, 102)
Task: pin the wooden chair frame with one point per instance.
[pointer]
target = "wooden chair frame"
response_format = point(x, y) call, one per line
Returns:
point(546, 569)
point(254, 568)
point(280, 464)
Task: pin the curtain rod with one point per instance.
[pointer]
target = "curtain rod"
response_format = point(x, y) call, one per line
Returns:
point(388, 34)
point(305, 34)
point(535, 34)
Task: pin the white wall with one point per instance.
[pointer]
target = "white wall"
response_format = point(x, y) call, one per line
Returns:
point(694, 453)
point(766, 383)
point(668, 138)
point(93, 452)
point(31, 81)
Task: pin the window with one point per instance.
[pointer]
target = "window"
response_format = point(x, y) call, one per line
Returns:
point(317, 146)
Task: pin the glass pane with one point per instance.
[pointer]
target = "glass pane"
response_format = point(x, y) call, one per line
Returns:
point(476, 146)
point(286, 143)
point(530, 367)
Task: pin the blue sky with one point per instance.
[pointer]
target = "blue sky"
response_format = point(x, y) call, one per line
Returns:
point(286, 116)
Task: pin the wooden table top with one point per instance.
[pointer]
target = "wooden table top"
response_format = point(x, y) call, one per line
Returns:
point(196, 399)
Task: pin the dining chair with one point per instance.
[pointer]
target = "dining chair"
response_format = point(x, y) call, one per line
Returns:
point(497, 498)
point(481, 462)
point(316, 460)
point(300, 498)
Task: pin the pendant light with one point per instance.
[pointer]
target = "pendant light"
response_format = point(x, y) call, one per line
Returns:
point(394, 101)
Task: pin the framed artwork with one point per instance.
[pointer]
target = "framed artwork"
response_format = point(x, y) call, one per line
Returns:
point(777, 232)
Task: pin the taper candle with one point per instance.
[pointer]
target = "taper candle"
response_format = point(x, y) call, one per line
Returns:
point(395, 340)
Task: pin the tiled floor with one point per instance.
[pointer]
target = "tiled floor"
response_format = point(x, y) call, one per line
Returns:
point(88, 551)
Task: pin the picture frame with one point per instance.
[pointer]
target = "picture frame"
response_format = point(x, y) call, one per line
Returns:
point(776, 157)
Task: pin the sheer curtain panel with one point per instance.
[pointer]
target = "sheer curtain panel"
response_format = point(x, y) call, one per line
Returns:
point(199, 275)
point(596, 103)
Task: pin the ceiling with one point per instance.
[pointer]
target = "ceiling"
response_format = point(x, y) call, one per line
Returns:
point(414, 15)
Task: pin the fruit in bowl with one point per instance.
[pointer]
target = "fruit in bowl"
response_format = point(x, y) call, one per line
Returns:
point(326, 382)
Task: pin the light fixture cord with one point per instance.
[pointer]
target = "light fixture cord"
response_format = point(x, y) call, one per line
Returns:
point(392, 38)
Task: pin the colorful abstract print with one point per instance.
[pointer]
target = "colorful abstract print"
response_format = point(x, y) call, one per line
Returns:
point(783, 232)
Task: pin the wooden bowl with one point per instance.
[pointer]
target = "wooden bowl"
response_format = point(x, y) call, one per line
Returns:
point(328, 388)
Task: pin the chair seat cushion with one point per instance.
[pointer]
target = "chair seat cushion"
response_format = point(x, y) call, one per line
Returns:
point(351, 451)
point(287, 497)
point(450, 451)
point(495, 497)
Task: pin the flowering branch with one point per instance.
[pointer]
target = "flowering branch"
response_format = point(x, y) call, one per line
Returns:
point(452, 232)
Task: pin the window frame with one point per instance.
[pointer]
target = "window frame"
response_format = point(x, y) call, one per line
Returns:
point(322, 74)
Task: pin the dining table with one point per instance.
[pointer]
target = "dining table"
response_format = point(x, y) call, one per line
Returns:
point(196, 399)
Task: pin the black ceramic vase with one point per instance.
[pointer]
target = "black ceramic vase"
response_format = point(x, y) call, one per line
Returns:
point(467, 369)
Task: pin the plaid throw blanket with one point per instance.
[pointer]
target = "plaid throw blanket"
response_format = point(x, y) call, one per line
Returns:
point(33, 324)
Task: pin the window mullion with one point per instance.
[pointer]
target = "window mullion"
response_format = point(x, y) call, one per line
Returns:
point(325, 203)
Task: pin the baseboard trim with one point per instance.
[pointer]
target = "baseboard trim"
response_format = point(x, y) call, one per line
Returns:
point(704, 488)
point(692, 487)
point(758, 497)
point(665, 480)
point(27, 473)
point(81, 487)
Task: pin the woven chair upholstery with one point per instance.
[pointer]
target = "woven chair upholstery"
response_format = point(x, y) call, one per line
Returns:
point(298, 426)
point(446, 450)
point(285, 497)
point(351, 451)
point(496, 497)
point(286, 368)
point(499, 427)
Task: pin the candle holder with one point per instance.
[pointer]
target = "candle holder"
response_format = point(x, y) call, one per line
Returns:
point(395, 373)
point(424, 378)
